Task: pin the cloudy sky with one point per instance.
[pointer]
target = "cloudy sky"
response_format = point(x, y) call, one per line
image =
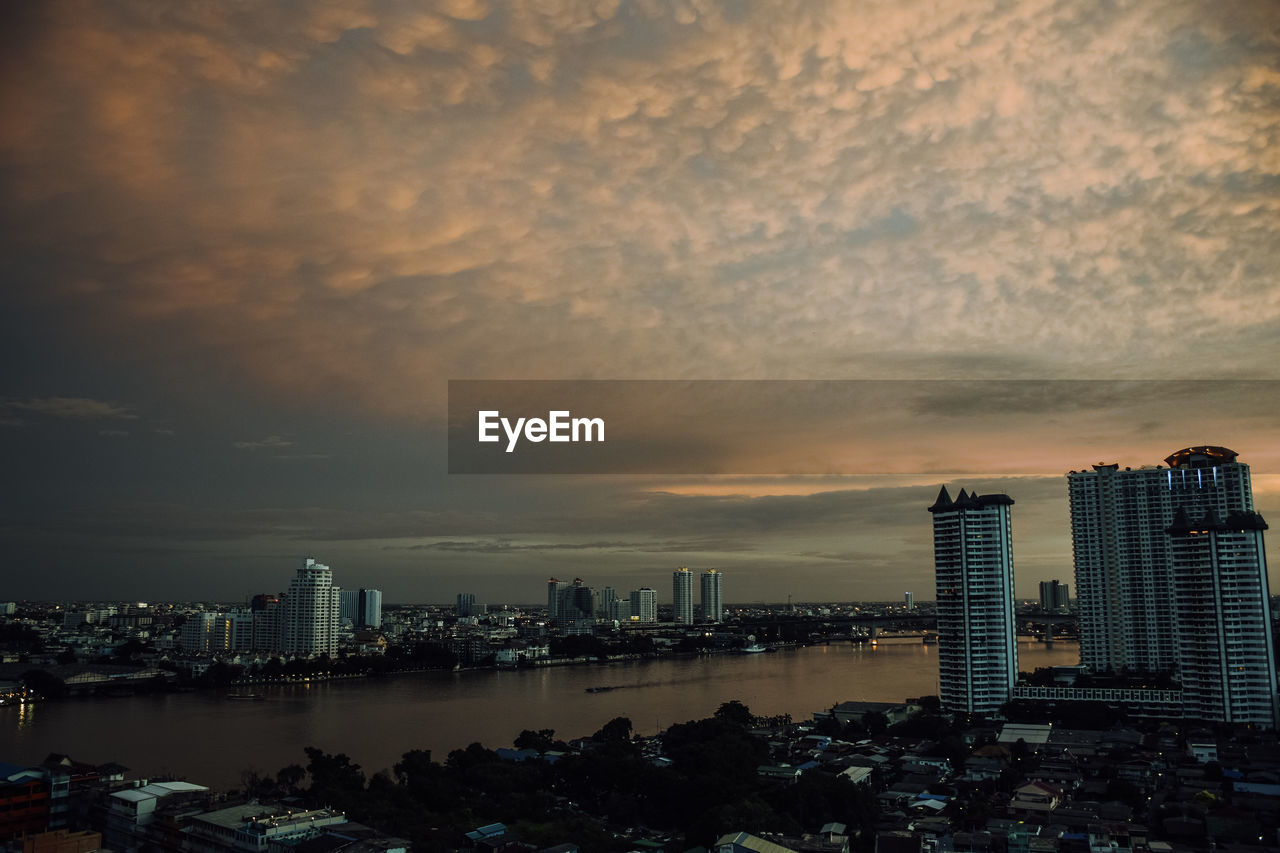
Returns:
point(245, 247)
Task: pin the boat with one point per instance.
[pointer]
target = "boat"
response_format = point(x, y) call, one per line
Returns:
point(754, 649)
point(600, 689)
point(252, 696)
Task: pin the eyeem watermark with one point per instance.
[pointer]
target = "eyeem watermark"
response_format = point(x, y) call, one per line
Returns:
point(559, 426)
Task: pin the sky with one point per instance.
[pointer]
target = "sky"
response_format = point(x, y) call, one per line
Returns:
point(246, 246)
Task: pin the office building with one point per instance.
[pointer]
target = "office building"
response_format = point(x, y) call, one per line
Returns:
point(554, 590)
point(369, 613)
point(466, 605)
point(1119, 518)
point(644, 605)
point(311, 611)
point(608, 596)
point(1053, 596)
point(619, 610)
point(973, 561)
point(712, 596)
point(1219, 571)
point(682, 596)
point(909, 600)
point(349, 606)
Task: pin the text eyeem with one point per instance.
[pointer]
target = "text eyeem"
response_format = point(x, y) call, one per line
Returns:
point(559, 426)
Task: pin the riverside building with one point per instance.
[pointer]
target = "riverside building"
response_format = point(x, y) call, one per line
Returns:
point(1125, 597)
point(973, 563)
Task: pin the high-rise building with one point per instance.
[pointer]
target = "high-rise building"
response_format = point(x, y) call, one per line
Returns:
point(619, 610)
point(682, 596)
point(608, 596)
point(712, 597)
point(466, 605)
point(369, 614)
point(1125, 598)
point(909, 600)
point(269, 614)
point(349, 606)
point(977, 639)
point(1053, 596)
point(554, 588)
point(1219, 571)
point(311, 611)
point(206, 632)
point(644, 605)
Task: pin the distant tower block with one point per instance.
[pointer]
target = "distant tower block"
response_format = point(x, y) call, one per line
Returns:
point(682, 596)
point(712, 597)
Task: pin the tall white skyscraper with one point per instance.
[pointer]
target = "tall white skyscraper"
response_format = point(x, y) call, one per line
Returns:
point(682, 596)
point(1124, 585)
point(311, 611)
point(908, 600)
point(977, 638)
point(712, 598)
point(644, 605)
point(1219, 569)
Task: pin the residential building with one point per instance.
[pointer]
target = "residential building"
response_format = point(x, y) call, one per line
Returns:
point(973, 561)
point(1124, 586)
point(466, 605)
point(206, 632)
point(644, 605)
point(712, 596)
point(682, 596)
point(311, 611)
point(1224, 635)
point(909, 600)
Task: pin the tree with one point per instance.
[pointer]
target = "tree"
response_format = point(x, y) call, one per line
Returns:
point(617, 730)
point(734, 713)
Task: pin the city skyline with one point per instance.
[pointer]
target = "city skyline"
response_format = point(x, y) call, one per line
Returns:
point(248, 246)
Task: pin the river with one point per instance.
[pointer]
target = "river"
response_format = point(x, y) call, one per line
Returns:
point(209, 739)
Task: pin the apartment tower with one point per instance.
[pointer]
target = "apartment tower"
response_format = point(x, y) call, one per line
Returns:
point(1125, 597)
point(973, 562)
point(682, 596)
point(712, 596)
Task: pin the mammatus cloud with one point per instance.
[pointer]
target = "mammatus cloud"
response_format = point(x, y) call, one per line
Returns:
point(353, 201)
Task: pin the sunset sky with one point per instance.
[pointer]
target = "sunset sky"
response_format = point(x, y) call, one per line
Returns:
point(246, 245)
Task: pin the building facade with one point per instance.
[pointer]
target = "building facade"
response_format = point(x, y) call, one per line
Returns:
point(1124, 584)
point(1054, 596)
point(1225, 649)
point(712, 596)
point(644, 605)
point(311, 611)
point(977, 639)
point(682, 596)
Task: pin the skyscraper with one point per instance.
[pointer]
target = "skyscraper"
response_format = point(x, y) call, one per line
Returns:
point(1054, 596)
point(712, 599)
point(908, 600)
point(370, 615)
point(1124, 585)
point(682, 596)
point(311, 611)
point(466, 605)
point(973, 562)
point(349, 606)
point(1219, 571)
point(553, 599)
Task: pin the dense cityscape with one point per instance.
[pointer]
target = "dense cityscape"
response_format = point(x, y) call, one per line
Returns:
point(1162, 738)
